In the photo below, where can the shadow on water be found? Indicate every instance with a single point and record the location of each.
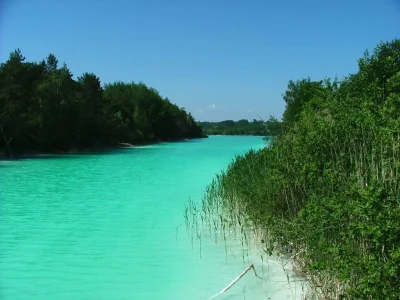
(134, 149)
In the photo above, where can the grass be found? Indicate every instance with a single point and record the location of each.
(324, 195)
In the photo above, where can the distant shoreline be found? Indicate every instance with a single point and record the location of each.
(235, 135)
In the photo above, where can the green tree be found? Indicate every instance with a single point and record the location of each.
(91, 111)
(326, 191)
(299, 93)
(44, 109)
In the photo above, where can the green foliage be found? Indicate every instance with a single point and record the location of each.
(42, 108)
(272, 127)
(297, 95)
(327, 190)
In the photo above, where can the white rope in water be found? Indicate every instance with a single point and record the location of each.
(235, 280)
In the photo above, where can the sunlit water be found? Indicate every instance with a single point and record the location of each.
(111, 226)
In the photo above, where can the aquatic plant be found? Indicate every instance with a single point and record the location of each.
(325, 194)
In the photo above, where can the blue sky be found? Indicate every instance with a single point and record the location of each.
(220, 59)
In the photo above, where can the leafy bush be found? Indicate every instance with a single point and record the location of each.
(326, 192)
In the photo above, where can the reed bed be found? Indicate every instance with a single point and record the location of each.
(324, 195)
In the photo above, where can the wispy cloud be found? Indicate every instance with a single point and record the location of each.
(249, 110)
(212, 106)
(200, 110)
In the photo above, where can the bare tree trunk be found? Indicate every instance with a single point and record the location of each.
(7, 143)
(235, 280)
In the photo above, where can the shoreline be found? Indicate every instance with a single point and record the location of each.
(99, 149)
(279, 275)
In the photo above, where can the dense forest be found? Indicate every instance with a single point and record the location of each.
(44, 109)
(272, 127)
(325, 193)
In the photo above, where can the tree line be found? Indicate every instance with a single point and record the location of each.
(271, 127)
(326, 192)
(44, 109)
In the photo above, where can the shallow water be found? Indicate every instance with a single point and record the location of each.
(111, 226)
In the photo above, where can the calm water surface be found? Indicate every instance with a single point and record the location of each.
(111, 226)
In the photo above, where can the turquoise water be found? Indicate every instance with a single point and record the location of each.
(111, 226)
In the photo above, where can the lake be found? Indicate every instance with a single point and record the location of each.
(111, 226)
